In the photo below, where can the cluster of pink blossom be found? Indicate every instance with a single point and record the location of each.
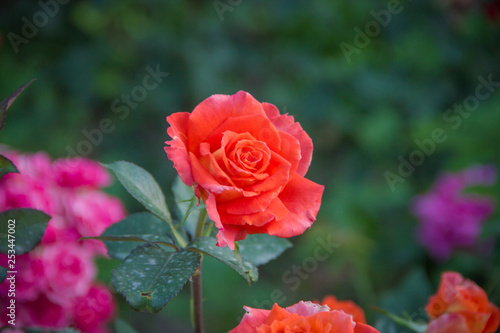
(451, 219)
(55, 283)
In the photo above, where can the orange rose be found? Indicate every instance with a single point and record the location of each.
(303, 317)
(247, 162)
(349, 307)
(461, 306)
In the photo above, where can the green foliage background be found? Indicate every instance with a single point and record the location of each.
(361, 115)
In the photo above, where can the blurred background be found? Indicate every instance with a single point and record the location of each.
(364, 79)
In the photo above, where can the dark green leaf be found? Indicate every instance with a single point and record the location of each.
(142, 225)
(186, 201)
(142, 186)
(6, 166)
(150, 276)
(123, 327)
(260, 249)
(128, 240)
(207, 246)
(3, 273)
(6, 103)
(29, 227)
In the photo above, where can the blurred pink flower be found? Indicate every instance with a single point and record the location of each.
(69, 272)
(76, 172)
(90, 213)
(449, 218)
(33, 280)
(20, 191)
(44, 313)
(94, 309)
(37, 166)
(55, 283)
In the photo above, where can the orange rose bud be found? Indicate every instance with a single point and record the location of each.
(349, 307)
(461, 306)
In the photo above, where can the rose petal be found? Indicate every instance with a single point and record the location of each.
(494, 320)
(302, 197)
(275, 211)
(363, 328)
(217, 109)
(349, 307)
(290, 150)
(287, 124)
(279, 171)
(228, 235)
(211, 185)
(438, 304)
(176, 148)
(250, 205)
(257, 125)
(307, 308)
(252, 319)
(469, 297)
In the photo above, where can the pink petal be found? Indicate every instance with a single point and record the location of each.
(307, 308)
(251, 320)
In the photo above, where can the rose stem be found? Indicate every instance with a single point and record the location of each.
(196, 291)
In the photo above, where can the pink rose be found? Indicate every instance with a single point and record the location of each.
(20, 191)
(90, 213)
(69, 272)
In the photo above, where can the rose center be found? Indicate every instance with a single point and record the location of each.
(251, 155)
(249, 158)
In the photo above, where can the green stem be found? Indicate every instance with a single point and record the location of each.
(180, 240)
(197, 298)
(200, 224)
(196, 290)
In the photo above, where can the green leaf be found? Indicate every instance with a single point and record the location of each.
(186, 202)
(142, 186)
(3, 273)
(122, 327)
(206, 245)
(150, 276)
(6, 166)
(260, 248)
(129, 239)
(406, 322)
(6, 103)
(29, 227)
(144, 226)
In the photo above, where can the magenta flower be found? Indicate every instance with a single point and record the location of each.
(449, 218)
